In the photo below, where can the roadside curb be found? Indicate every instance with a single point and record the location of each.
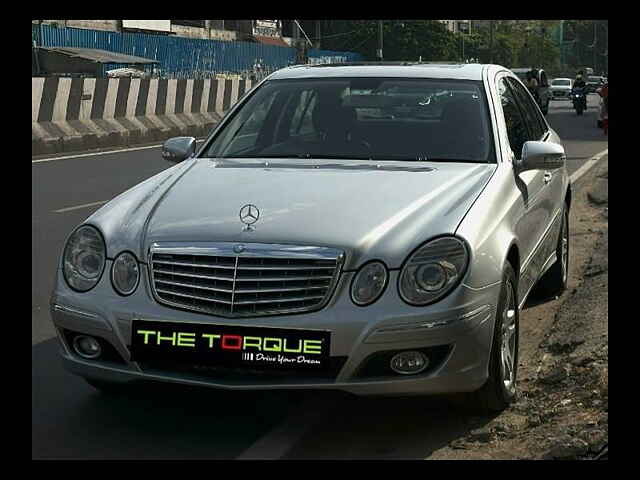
(599, 192)
(50, 138)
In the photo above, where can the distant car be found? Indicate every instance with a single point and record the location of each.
(543, 96)
(593, 83)
(310, 243)
(561, 88)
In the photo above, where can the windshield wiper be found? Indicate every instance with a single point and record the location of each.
(271, 155)
(454, 160)
(399, 158)
(300, 155)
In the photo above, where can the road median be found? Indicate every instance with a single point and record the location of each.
(83, 114)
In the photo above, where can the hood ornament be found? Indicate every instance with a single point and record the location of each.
(249, 214)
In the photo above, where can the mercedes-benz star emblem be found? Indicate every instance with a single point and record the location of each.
(249, 214)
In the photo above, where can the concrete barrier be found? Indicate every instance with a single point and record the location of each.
(73, 114)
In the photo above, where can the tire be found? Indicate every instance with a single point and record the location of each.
(599, 123)
(496, 395)
(554, 282)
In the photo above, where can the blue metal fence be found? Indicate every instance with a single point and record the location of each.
(182, 57)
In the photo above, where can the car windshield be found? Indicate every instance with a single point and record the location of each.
(561, 83)
(360, 118)
(595, 79)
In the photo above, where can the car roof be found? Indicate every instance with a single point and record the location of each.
(458, 71)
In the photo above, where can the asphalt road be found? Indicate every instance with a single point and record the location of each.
(71, 420)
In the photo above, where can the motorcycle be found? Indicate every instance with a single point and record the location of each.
(579, 98)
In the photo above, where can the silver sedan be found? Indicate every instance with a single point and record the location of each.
(369, 228)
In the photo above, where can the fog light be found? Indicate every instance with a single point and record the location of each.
(409, 363)
(87, 347)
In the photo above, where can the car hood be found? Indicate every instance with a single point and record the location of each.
(369, 209)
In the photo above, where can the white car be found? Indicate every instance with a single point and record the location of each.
(561, 88)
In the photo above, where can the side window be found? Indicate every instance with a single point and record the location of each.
(529, 110)
(516, 128)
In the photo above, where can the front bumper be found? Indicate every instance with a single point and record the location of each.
(461, 326)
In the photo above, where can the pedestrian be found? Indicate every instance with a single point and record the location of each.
(604, 93)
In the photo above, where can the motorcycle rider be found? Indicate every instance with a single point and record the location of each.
(580, 83)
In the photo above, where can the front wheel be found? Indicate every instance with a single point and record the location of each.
(499, 391)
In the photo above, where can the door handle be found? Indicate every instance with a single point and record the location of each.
(548, 176)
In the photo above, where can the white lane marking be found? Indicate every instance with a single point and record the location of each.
(68, 209)
(587, 166)
(94, 153)
(91, 154)
(279, 441)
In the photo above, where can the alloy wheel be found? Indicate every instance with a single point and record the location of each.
(508, 350)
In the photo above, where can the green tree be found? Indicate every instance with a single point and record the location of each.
(402, 39)
(585, 44)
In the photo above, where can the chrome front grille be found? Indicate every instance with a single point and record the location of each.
(252, 280)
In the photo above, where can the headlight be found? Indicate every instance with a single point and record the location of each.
(433, 271)
(125, 273)
(369, 283)
(84, 258)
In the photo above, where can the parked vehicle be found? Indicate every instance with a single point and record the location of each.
(579, 98)
(561, 88)
(593, 83)
(542, 94)
(314, 241)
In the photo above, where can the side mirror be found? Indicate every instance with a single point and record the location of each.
(178, 149)
(540, 156)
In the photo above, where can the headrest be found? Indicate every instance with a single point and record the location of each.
(333, 117)
(461, 111)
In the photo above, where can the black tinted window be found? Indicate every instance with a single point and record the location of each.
(516, 128)
(530, 110)
(360, 118)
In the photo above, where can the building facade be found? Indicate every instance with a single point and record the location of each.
(271, 32)
(457, 26)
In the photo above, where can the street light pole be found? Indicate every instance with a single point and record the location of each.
(595, 39)
(380, 56)
(491, 24)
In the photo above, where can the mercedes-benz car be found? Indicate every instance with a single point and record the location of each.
(374, 229)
